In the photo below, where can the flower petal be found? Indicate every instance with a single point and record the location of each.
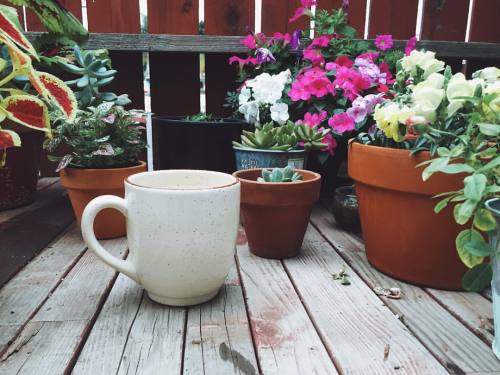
(28, 111)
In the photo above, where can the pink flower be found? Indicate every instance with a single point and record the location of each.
(384, 69)
(372, 56)
(249, 42)
(320, 41)
(243, 62)
(313, 119)
(341, 122)
(411, 44)
(314, 56)
(351, 82)
(342, 60)
(384, 42)
(305, 8)
(285, 38)
(312, 82)
(330, 142)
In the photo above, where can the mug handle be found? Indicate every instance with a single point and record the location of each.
(87, 225)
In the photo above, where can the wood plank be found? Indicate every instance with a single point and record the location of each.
(430, 322)
(173, 17)
(218, 339)
(472, 309)
(24, 236)
(343, 314)
(229, 17)
(231, 44)
(115, 16)
(445, 20)
(45, 182)
(22, 296)
(284, 336)
(395, 17)
(56, 333)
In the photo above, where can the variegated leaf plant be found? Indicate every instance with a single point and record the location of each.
(20, 106)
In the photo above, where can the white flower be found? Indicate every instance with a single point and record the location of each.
(425, 60)
(494, 89)
(279, 113)
(251, 111)
(458, 86)
(268, 89)
(245, 95)
(490, 74)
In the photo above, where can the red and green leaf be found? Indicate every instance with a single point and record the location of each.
(8, 138)
(28, 111)
(56, 91)
(9, 30)
(19, 59)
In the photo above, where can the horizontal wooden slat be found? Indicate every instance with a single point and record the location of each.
(231, 44)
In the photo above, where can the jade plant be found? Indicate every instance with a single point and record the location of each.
(286, 174)
(22, 106)
(282, 138)
(93, 69)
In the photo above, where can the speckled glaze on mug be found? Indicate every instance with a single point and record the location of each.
(181, 229)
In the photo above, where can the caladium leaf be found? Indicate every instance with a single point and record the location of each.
(8, 138)
(55, 90)
(9, 30)
(28, 111)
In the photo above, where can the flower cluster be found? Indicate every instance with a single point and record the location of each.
(261, 97)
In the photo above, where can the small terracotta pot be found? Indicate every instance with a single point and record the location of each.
(403, 236)
(83, 185)
(275, 215)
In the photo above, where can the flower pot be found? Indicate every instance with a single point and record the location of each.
(276, 215)
(83, 185)
(19, 176)
(403, 236)
(249, 158)
(345, 208)
(494, 238)
(203, 145)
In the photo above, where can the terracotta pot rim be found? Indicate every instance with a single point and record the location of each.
(316, 177)
(97, 170)
(387, 150)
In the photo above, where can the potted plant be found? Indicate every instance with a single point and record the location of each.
(493, 205)
(24, 116)
(275, 209)
(425, 117)
(333, 83)
(278, 146)
(104, 144)
(196, 142)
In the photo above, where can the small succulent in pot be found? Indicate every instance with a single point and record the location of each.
(286, 174)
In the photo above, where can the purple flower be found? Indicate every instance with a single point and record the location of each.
(264, 55)
(345, 5)
(384, 42)
(411, 44)
(357, 113)
(295, 42)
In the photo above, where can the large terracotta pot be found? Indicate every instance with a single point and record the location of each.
(19, 176)
(83, 185)
(275, 215)
(404, 238)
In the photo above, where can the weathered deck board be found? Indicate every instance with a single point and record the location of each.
(343, 314)
(430, 322)
(284, 336)
(23, 295)
(219, 332)
(56, 331)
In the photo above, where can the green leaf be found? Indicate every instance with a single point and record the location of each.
(492, 164)
(464, 211)
(474, 186)
(468, 236)
(457, 168)
(492, 130)
(443, 151)
(480, 249)
(441, 205)
(477, 278)
(484, 220)
(435, 166)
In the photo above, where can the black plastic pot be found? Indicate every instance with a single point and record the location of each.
(204, 145)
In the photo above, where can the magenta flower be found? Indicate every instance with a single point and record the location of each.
(295, 41)
(384, 42)
(351, 82)
(372, 56)
(411, 44)
(320, 41)
(305, 8)
(312, 82)
(243, 62)
(314, 56)
(249, 42)
(285, 38)
(330, 142)
(341, 122)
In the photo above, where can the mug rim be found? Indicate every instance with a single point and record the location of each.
(166, 171)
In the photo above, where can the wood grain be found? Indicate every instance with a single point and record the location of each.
(342, 314)
(51, 340)
(395, 17)
(113, 16)
(229, 17)
(173, 17)
(430, 322)
(445, 20)
(23, 295)
(284, 337)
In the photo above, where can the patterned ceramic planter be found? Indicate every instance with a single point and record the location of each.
(247, 158)
(494, 236)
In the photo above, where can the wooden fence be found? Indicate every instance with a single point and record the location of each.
(174, 46)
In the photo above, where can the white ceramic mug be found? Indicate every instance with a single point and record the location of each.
(181, 229)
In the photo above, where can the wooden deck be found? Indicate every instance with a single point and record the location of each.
(67, 312)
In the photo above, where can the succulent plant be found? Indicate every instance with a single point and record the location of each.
(286, 174)
(282, 138)
(92, 66)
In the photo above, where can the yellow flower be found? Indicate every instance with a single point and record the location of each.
(389, 118)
